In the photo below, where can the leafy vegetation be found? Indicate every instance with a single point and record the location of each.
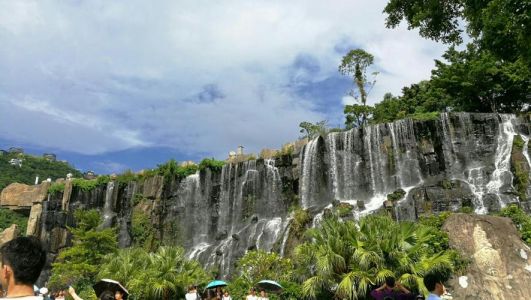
(32, 167)
(87, 185)
(345, 260)
(9, 217)
(163, 274)
(311, 131)
(212, 164)
(520, 219)
(258, 265)
(142, 231)
(56, 187)
(301, 218)
(79, 264)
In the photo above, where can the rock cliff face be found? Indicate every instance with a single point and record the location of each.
(21, 197)
(458, 160)
(500, 263)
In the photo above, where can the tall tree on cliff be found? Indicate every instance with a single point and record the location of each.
(355, 64)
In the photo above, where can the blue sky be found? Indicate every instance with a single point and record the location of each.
(122, 85)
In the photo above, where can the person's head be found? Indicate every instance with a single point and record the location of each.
(262, 293)
(226, 293)
(21, 263)
(252, 291)
(118, 295)
(390, 282)
(107, 295)
(434, 284)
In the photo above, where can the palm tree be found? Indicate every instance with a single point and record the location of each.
(346, 259)
(160, 275)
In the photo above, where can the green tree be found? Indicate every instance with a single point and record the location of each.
(477, 81)
(521, 220)
(32, 166)
(258, 265)
(9, 217)
(78, 265)
(311, 130)
(345, 260)
(356, 115)
(164, 274)
(355, 64)
(500, 26)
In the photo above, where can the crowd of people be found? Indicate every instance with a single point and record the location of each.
(220, 293)
(22, 260)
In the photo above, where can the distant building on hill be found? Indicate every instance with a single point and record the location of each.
(89, 175)
(49, 156)
(16, 162)
(16, 150)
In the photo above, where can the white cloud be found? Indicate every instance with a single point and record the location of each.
(124, 74)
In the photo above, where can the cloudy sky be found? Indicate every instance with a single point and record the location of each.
(111, 85)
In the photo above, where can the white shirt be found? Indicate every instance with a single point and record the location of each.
(191, 296)
(262, 298)
(251, 297)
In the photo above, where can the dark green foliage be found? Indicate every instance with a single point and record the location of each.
(500, 26)
(56, 188)
(126, 177)
(518, 143)
(172, 170)
(160, 275)
(9, 217)
(301, 218)
(476, 81)
(396, 195)
(32, 166)
(142, 231)
(78, 265)
(520, 219)
(356, 115)
(347, 260)
(344, 210)
(212, 164)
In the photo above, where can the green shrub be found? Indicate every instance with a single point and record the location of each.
(427, 116)
(126, 177)
(518, 142)
(396, 195)
(301, 218)
(212, 164)
(9, 217)
(56, 188)
(344, 210)
(521, 220)
(86, 185)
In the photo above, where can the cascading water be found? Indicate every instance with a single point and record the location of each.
(309, 171)
(502, 175)
(108, 207)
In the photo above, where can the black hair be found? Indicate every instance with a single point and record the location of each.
(430, 281)
(107, 295)
(26, 257)
(390, 281)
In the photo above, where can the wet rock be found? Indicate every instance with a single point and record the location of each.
(500, 263)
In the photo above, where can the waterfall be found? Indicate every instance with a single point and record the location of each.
(308, 171)
(285, 236)
(108, 206)
(502, 173)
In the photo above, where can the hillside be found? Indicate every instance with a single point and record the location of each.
(31, 167)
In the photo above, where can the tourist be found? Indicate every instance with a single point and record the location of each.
(22, 260)
(106, 295)
(391, 289)
(192, 293)
(226, 295)
(435, 286)
(263, 295)
(252, 295)
(218, 293)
